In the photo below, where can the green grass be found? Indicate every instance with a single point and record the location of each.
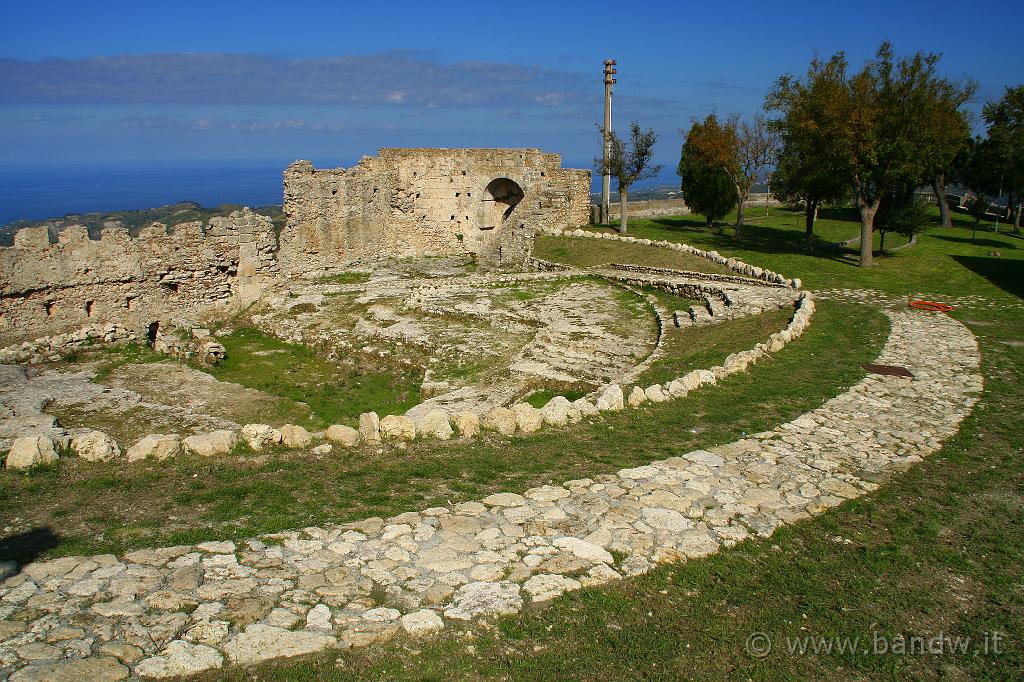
(591, 252)
(190, 499)
(336, 393)
(945, 261)
(111, 358)
(705, 346)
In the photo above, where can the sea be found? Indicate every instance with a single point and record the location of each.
(37, 193)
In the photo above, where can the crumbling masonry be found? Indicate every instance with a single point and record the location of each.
(404, 203)
(425, 202)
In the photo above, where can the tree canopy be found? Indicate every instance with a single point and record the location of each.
(706, 186)
(887, 125)
(811, 167)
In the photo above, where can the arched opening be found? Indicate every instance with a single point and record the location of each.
(502, 195)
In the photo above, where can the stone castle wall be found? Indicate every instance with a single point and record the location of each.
(405, 202)
(423, 202)
(159, 275)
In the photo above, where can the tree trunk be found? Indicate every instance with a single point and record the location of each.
(939, 187)
(623, 217)
(738, 234)
(867, 225)
(1016, 219)
(810, 214)
(881, 241)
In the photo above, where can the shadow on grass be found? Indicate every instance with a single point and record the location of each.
(1005, 274)
(760, 238)
(980, 241)
(26, 547)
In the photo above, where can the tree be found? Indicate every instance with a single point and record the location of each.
(980, 173)
(629, 163)
(740, 148)
(946, 132)
(1005, 120)
(901, 211)
(879, 131)
(810, 167)
(707, 188)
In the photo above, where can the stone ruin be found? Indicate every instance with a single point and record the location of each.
(429, 202)
(417, 260)
(483, 203)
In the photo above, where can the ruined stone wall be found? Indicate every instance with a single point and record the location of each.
(51, 288)
(423, 202)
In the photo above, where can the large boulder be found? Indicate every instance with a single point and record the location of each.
(156, 445)
(295, 436)
(500, 419)
(558, 411)
(369, 427)
(467, 423)
(637, 397)
(95, 446)
(397, 427)
(528, 417)
(343, 435)
(29, 451)
(656, 394)
(611, 399)
(434, 424)
(259, 436)
(585, 407)
(219, 442)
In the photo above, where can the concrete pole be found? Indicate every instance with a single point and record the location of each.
(606, 178)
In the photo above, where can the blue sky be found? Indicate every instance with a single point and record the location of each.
(167, 82)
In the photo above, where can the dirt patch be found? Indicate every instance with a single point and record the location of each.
(170, 383)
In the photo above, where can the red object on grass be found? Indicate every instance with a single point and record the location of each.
(933, 306)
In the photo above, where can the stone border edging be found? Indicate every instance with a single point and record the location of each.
(732, 263)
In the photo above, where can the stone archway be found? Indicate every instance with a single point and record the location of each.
(502, 195)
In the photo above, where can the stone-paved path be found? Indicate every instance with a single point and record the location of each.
(178, 610)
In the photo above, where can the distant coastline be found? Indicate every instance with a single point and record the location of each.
(40, 193)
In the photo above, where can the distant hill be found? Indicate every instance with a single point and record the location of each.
(171, 214)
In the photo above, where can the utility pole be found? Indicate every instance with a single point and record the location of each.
(606, 178)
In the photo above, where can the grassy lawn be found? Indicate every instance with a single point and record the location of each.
(588, 253)
(92, 508)
(945, 260)
(689, 348)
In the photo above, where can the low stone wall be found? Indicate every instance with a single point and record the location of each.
(51, 348)
(430, 424)
(650, 208)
